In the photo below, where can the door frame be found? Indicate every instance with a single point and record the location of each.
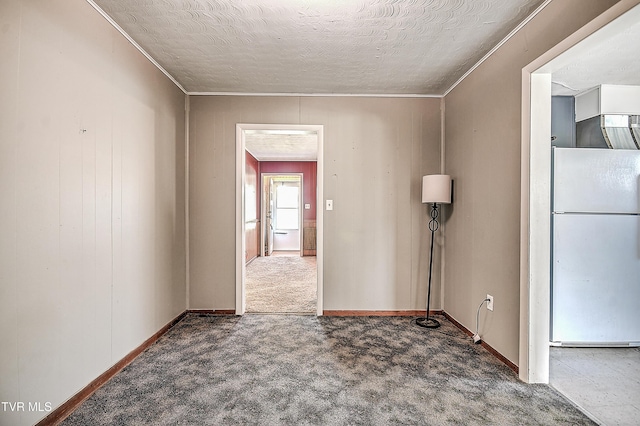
(535, 210)
(263, 207)
(240, 217)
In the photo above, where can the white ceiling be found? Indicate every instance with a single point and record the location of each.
(282, 145)
(383, 47)
(390, 47)
(612, 59)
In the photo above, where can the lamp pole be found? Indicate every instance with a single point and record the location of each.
(433, 227)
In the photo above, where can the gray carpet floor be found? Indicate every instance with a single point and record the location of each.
(281, 284)
(307, 370)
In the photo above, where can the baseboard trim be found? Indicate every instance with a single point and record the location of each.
(493, 352)
(407, 313)
(212, 311)
(68, 407)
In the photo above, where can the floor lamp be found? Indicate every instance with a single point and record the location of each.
(435, 189)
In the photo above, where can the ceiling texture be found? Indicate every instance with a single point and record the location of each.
(344, 47)
(614, 60)
(291, 145)
(381, 47)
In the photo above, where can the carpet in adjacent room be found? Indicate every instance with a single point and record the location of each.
(281, 284)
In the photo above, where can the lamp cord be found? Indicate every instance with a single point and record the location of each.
(478, 316)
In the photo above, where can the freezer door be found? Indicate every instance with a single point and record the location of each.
(596, 279)
(596, 180)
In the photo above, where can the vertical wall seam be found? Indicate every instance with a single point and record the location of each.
(95, 208)
(111, 230)
(81, 137)
(15, 198)
(187, 261)
(444, 228)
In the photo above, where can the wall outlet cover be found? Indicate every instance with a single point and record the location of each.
(490, 302)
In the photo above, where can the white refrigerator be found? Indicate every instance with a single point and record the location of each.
(595, 272)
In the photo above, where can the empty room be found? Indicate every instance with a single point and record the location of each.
(317, 212)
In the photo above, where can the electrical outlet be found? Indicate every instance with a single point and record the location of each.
(490, 302)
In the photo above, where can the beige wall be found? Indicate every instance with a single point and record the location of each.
(92, 256)
(482, 149)
(375, 153)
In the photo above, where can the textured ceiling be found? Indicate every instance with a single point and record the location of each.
(614, 60)
(282, 146)
(318, 46)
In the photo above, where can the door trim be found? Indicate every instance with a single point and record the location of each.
(535, 234)
(240, 225)
(263, 211)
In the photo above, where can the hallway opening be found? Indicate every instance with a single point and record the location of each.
(278, 219)
(282, 277)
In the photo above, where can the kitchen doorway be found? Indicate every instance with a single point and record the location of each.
(585, 375)
(537, 84)
(296, 144)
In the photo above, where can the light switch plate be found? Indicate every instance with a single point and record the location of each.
(329, 204)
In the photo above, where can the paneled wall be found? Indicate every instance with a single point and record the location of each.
(92, 254)
(482, 144)
(375, 152)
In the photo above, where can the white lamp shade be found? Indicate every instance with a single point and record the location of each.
(436, 189)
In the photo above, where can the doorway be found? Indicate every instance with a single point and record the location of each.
(588, 375)
(536, 178)
(295, 145)
(282, 279)
(282, 209)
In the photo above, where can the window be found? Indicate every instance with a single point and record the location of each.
(287, 201)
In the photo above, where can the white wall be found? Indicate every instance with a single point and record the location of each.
(376, 151)
(92, 256)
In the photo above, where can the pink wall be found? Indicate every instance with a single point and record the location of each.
(308, 170)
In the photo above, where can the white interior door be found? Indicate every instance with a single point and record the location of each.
(286, 215)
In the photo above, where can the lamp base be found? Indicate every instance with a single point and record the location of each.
(427, 323)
